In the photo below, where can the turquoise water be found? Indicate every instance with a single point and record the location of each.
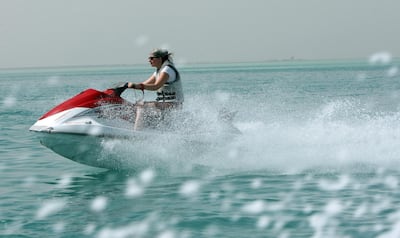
(318, 156)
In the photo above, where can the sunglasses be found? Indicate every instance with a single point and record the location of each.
(151, 57)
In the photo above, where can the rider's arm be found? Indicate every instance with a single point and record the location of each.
(150, 80)
(151, 83)
(156, 83)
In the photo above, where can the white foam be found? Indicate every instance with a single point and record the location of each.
(263, 222)
(256, 183)
(99, 204)
(394, 232)
(382, 57)
(147, 176)
(393, 71)
(340, 133)
(9, 101)
(340, 184)
(50, 207)
(190, 188)
(333, 208)
(65, 180)
(133, 188)
(254, 207)
(89, 229)
(167, 234)
(59, 227)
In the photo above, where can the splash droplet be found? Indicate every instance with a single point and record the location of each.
(190, 188)
(99, 204)
(380, 58)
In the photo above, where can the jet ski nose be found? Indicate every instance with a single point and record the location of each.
(39, 128)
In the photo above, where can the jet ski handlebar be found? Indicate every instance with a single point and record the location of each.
(120, 88)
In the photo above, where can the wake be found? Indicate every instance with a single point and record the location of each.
(337, 135)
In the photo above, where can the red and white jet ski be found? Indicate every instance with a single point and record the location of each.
(76, 128)
(82, 127)
(91, 112)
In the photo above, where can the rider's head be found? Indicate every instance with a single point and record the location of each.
(161, 53)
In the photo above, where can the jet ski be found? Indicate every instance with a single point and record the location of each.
(84, 126)
(90, 112)
(77, 127)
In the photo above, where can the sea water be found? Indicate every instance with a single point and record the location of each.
(318, 155)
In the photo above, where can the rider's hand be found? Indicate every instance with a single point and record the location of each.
(131, 85)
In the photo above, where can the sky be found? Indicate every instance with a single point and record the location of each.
(44, 33)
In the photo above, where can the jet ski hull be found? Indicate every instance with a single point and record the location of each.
(83, 149)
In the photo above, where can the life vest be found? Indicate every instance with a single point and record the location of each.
(171, 91)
